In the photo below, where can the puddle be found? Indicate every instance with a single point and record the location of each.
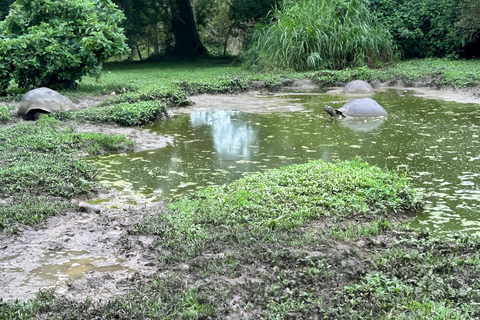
(81, 254)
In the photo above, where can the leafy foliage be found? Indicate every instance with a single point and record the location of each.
(469, 23)
(55, 43)
(4, 7)
(306, 35)
(426, 28)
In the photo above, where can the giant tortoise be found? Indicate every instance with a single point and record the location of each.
(43, 100)
(358, 87)
(363, 108)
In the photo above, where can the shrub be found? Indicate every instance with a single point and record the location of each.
(427, 28)
(333, 34)
(55, 43)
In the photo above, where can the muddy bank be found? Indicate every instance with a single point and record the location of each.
(143, 139)
(87, 252)
(464, 95)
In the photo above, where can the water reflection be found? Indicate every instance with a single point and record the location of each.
(231, 137)
(364, 125)
(436, 142)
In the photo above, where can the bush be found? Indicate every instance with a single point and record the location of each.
(55, 43)
(126, 114)
(428, 28)
(330, 34)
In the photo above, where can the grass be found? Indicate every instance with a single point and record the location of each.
(285, 199)
(314, 240)
(343, 263)
(42, 159)
(5, 115)
(434, 72)
(310, 35)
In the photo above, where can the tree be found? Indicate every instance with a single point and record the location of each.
(424, 28)
(145, 24)
(55, 43)
(187, 40)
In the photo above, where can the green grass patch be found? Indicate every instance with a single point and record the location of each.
(5, 115)
(40, 159)
(29, 211)
(438, 72)
(127, 114)
(285, 199)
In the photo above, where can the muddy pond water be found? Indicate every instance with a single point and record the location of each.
(222, 138)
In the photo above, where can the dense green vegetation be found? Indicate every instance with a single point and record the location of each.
(41, 160)
(234, 257)
(431, 28)
(314, 240)
(55, 43)
(311, 35)
(284, 199)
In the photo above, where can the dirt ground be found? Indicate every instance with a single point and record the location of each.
(83, 253)
(89, 252)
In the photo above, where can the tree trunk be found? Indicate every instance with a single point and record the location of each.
(139, 53)
(187, 40)
(225, 43)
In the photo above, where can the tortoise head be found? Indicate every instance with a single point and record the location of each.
(333, 113)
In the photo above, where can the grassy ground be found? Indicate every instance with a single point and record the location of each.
(140, 92)
(40, 165)
(267, 248)
(312, 241)
(432, 72)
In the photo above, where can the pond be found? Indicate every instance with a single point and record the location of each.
(436, 142)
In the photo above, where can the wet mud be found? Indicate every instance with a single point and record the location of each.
(87, 252)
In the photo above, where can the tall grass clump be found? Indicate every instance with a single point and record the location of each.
(329, 34)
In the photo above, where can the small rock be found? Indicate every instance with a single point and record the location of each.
(284, 82)
(85, 207)
(257, 85)
(376, 84)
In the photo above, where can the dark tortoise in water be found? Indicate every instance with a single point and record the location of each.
(362, 108)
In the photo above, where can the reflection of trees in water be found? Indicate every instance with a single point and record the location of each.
(231, 138)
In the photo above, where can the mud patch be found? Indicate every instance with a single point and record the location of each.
(87, 252)
(143, 139)
(464, 95)
(251, 102)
